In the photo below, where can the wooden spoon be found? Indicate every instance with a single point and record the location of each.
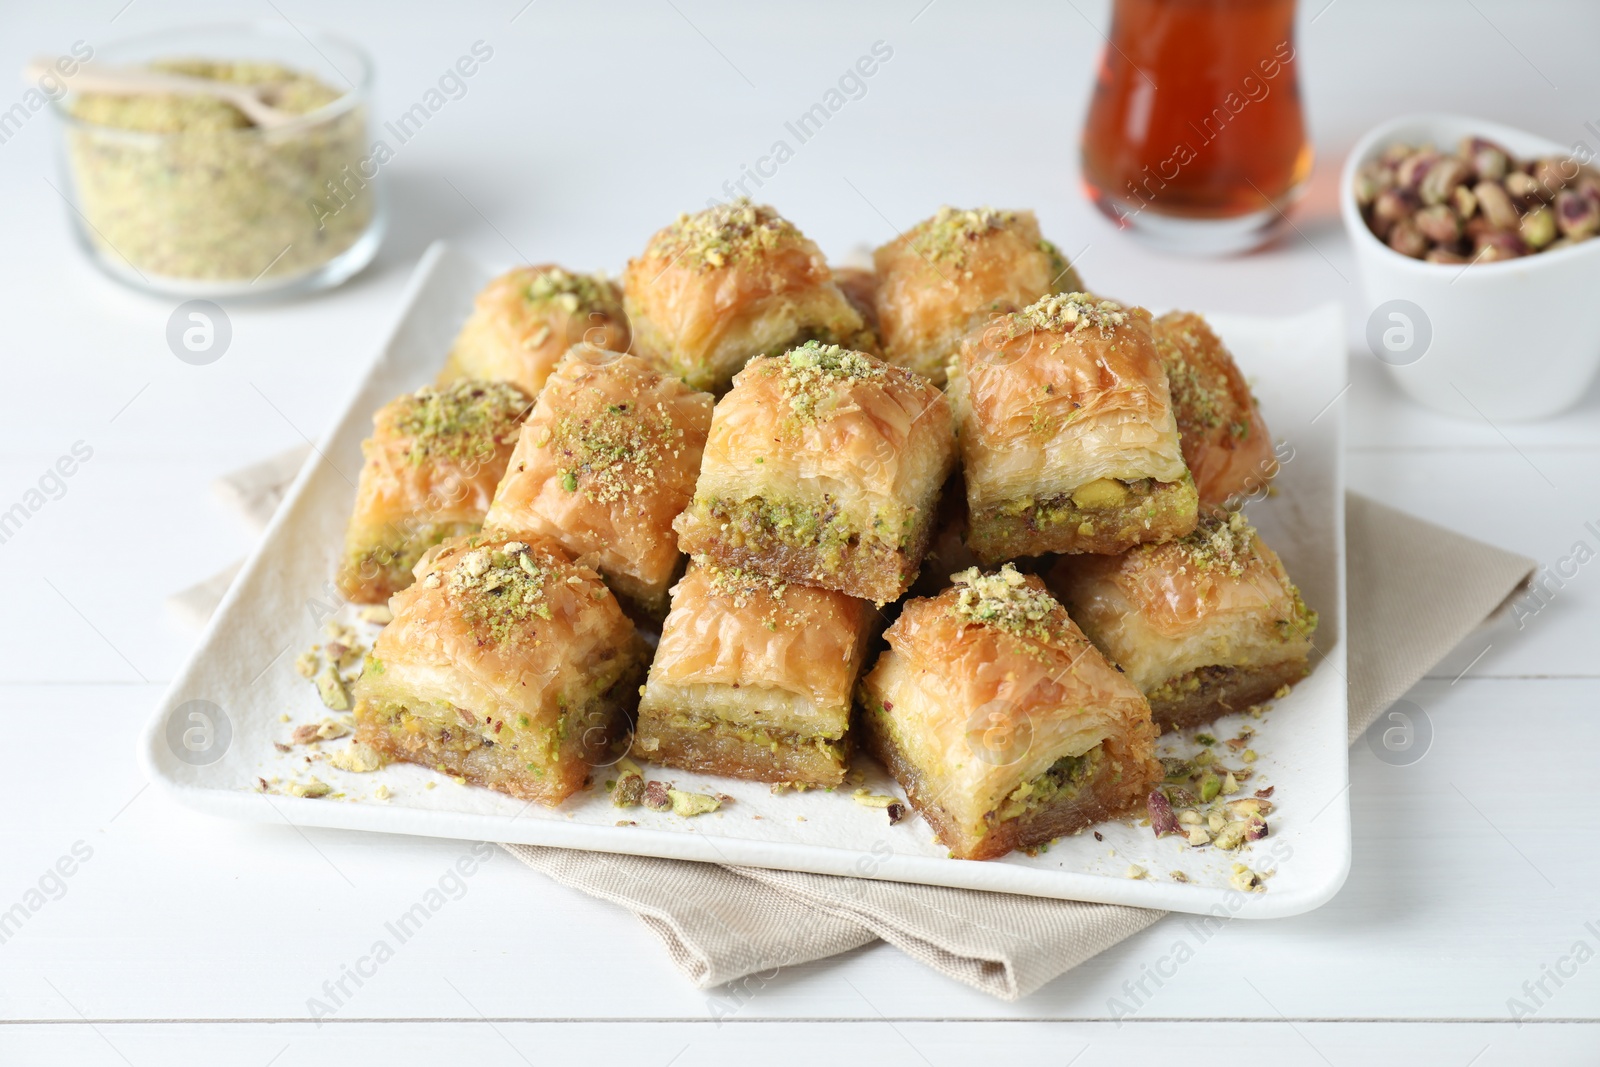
(253, 100)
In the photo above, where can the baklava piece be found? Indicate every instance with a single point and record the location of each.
(1225, 442)
(734, 281)
(526, 319)
(823, 467)
(1203, 626)
(1067, 435)
(506, 664)
(1003, 724)
(935, 279)
(604, 464)
(429, 471)
(753, 679)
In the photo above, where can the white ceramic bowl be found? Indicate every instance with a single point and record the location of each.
(1516, 339)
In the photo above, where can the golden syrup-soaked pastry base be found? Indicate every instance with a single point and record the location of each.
(1205, 694)
(753, 753)
(528, 765)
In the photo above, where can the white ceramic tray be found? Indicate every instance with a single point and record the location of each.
(241, 683)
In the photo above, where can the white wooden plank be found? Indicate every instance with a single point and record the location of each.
(1541, 501)
(177, 915)
(889, 1043)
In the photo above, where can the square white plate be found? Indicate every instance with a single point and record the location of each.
(212, 737)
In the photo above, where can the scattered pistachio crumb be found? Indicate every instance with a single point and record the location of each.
(358, 758)
(689, 805)
(331, 688)
(1135, 871)
(630, 787)
(310, 790)
(1245, 880)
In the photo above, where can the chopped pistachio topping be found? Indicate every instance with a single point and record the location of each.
(1071, 312)
(614, 451)
(500, 588)
(312, 790)
(1201, 397)
(949, 236)
(813, 372)
(720, 235)
(358, 758)
(464, 421)
(1006, 600)
(1220, 543)
(573, 292)
(740, 585)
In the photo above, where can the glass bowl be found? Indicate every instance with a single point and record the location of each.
(230, 212)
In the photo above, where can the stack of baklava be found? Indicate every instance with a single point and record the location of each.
(745, 450)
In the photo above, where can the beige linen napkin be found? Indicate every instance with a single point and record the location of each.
(1414, 591)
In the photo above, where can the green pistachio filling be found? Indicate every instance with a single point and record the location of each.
(831, 746)
(763, 522)
(1065, 777)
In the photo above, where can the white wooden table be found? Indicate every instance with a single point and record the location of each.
(181, 939)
